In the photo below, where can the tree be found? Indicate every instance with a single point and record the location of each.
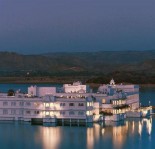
(11, 92)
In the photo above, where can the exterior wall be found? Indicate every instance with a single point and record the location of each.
(107, 106)
(133, 114)
(133, 101)
(96, 108)
(20, 108)
(64, 108)
(109, 89)
(68, 88)
(32, 90)
(128, 88)
(41, 91)
(74, 103)
(15, 108)
(115, 117)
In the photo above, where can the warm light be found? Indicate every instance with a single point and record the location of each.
(133, 126)
(51, 104)
(87, 104)
(45, 134)
(149, 125)
(88, 112)
(36, 104)
(103, 131)
(145, 112)
(51, 113)
(90, 136)
(47, 104)
(119, 135)
(140, 128)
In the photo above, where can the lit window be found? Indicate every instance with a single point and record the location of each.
(36, 104)
(88, 104)
(103, 101)
(88, 113)
(47, 113)
(47, 105)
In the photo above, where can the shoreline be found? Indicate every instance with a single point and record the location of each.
(52, 80)
(58, 82)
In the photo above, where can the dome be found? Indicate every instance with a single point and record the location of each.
(112, 82)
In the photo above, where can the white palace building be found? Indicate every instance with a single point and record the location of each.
(73, 103)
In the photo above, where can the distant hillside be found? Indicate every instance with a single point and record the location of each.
(117, 57)
(93, 64)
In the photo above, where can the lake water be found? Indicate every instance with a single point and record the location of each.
(129, 134)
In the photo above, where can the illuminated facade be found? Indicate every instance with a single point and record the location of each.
(73, 103)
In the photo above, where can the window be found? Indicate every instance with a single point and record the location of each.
(13, 112)
(71, 104)
(103, 101)
(36, 112)
(47, 105)
(36, 104)
(62, 112)
(47, 113)
(21, 103)
(81, 113)
(5, 103)
(62, 104)
(13, 103)
(28, 103)
(28, 112)
(21, 112)
(71, 113)
(5, 111)
(81, 104)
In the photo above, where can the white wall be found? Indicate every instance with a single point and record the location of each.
(41, 91)
(68, 88)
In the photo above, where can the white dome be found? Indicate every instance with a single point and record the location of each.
(112, 82)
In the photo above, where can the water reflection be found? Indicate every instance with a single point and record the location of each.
(49, 137)
(119, 135)
(114, 135)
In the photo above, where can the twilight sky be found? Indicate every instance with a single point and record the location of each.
(40, 26)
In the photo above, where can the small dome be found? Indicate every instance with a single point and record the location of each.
(112, 82)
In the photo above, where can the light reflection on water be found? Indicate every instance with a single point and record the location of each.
(132, 133)
(113, 135)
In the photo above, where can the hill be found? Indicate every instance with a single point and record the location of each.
(91, 64)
